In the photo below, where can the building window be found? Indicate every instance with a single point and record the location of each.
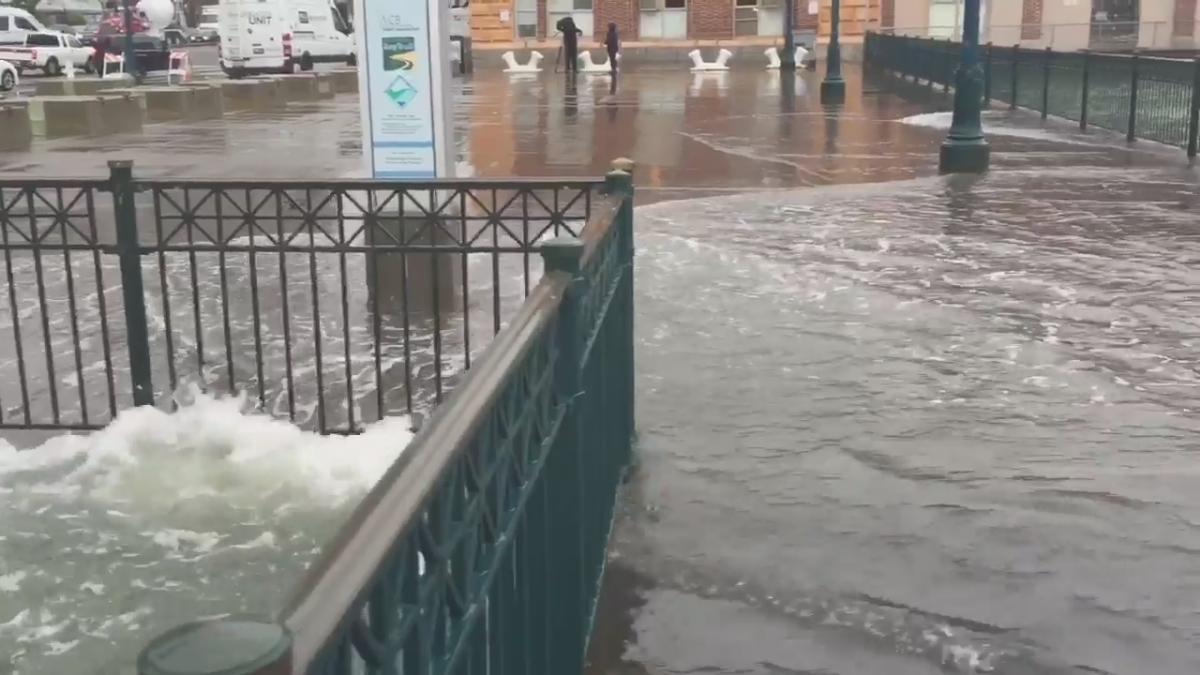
(662, 19)
(526, 11)
(1115, 23)
(579, 10)
(758, 17)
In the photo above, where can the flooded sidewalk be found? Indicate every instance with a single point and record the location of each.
(891, 423)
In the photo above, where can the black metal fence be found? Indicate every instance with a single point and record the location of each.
(328, 303)
(1142, 97)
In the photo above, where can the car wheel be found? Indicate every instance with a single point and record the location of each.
(8, 81)
(352, 60)
(306, 62)
(53, 69)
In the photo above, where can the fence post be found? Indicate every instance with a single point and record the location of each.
(950, 64)
(1046, 83)
(1194, 117)
(620, 181)
(568, 495)
(1134, 76)
(1087, 78)
(987, 76)
(1016, 61)
(137, 332)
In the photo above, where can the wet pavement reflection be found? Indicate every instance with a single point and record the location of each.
(891, 422)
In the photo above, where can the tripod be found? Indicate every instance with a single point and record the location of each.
(557, 57)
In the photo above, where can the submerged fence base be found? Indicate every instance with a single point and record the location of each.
(482, 549)
(1156, 99)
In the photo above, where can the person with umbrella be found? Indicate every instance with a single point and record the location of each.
(570, 45)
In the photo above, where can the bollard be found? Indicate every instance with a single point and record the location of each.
(129, 253)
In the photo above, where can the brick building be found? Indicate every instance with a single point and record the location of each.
(651, 20)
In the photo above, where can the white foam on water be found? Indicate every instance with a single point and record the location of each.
(942, 120)
(210, 446)
(162, 517)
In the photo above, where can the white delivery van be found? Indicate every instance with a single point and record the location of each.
(16, 23)
(280, 36)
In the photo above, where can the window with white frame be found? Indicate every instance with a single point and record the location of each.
(662, 19)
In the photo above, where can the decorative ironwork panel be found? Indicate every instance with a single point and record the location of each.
(482, 549)
(58, 367)
(449, 593)
(1138, 96)
(330, 304)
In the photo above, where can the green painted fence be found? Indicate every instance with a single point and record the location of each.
(1142, 97)
(482, 549)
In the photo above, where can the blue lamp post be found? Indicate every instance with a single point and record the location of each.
(833, 87)
(130, 58)
(965, 149)
(787, 60)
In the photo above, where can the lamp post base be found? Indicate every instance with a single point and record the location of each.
(833, 92)
(964, 156)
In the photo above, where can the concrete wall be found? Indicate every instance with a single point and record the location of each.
(912, 17)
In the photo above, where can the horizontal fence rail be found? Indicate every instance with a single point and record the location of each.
(331, 304)
(481, 550)
(1155, 99)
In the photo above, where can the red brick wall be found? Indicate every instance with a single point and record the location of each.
(1031, 20)
(1185, 18)
(802, 20)
(542, 28)
(710, 19)
(624, 13)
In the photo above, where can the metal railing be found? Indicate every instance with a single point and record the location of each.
(331, 304)
(1142, 97)
(1097, 36)
(482, 548)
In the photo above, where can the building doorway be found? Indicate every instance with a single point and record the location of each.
(758, 17)
(662, 19)
(946, 19)
(579, 10)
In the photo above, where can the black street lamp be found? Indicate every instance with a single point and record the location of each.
(965, 149)
(787, 60)
(833, 87)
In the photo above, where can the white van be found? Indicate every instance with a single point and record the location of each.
(279, 36)
(16, 23)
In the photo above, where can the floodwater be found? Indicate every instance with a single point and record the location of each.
(890, 423)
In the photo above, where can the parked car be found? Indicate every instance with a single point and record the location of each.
(205, 35)
(49, 53)
(9, 78)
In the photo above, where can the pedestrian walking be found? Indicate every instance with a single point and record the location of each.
(612, 43)
(570, 37)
